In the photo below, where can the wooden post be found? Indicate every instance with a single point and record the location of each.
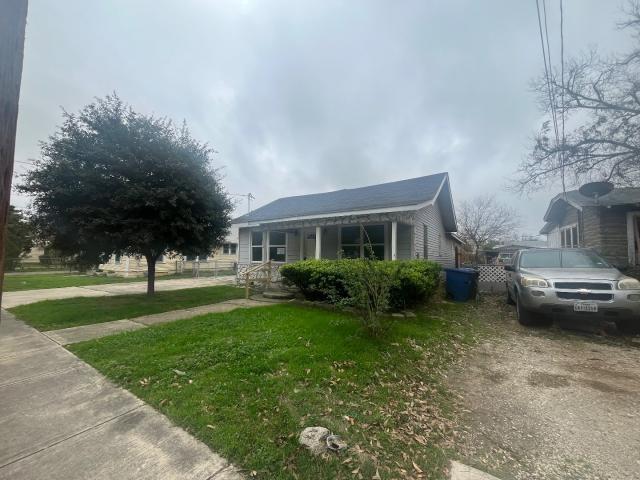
(268, 275)
(13, 20)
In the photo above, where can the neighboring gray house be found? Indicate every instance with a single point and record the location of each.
(506, 250)
(609, 225)
(407, 219)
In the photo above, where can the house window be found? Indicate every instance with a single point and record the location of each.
(118, 259)
(360, 242)
(278, 246)
(569, 236)
(373, 241)
(256, 246)
(229, 248)
(425, 242)
(351, 240)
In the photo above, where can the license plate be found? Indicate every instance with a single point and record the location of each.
(585, 307)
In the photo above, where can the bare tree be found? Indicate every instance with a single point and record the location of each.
(600, 101)
(13, 18)
(483, 220)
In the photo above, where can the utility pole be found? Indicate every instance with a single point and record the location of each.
(13, 21)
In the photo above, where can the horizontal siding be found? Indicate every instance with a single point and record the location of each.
(441, 248)
(404, 241)
(244, 245)
(553, 238)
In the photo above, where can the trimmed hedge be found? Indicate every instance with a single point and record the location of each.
(412, 281)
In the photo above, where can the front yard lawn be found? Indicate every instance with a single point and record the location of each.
(71, 312)
(248, 381)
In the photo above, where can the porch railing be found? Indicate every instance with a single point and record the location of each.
(262, 274)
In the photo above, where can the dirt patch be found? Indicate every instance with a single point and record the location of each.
(544, 379)
(547, 403)
(604, 387)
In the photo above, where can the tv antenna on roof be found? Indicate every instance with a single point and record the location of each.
(249, 198)
(595, 190)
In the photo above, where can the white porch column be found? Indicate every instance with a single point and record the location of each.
(301, 239)
(394, 240)
(265, 256)
(318, 242)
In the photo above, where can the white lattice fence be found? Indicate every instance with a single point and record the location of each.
(491, 273)
(243, 267)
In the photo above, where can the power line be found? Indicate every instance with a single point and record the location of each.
(562, 111)
(546, 58)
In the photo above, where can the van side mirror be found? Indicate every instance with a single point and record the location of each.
(509, 268)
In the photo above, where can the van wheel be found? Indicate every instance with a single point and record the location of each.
(509, 299)
(529, 318)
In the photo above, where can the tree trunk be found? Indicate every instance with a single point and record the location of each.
(151, 273)
(13, 20)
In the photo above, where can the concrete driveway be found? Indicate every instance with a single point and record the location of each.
(13, 299)
(61, 419)
(549, 403)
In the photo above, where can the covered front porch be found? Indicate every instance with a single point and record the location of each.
(386, 237)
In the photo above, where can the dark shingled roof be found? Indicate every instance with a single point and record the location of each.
(617, 196)
(386, 195)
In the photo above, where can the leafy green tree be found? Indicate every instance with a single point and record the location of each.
(19, 238)
(114, 181)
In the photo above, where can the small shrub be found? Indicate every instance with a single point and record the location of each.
(411, 282)
(368, 287)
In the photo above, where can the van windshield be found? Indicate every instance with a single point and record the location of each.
(561, 259)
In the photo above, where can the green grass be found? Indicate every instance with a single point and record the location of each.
(15, 283)
(71, 312)
(250, 380)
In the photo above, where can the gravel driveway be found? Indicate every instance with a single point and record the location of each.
(549, 404)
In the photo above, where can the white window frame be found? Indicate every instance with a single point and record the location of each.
(286, 245)
(573, 242)
(252, 246)
(361, 243)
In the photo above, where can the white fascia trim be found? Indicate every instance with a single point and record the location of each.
(453, 208)
(403, 208)
(553, 201)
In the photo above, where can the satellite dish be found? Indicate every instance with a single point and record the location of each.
(595, 189)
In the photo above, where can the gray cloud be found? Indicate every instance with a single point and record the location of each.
(300, 97)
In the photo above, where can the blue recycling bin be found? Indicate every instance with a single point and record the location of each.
(462, 283)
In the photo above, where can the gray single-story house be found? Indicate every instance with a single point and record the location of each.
(505, 251)
(407, 219)
(608, 225)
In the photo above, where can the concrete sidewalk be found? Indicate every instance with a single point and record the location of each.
(13, 299)
(67, 336)
(61, 419)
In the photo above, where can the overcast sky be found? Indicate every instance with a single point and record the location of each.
(309, 96)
